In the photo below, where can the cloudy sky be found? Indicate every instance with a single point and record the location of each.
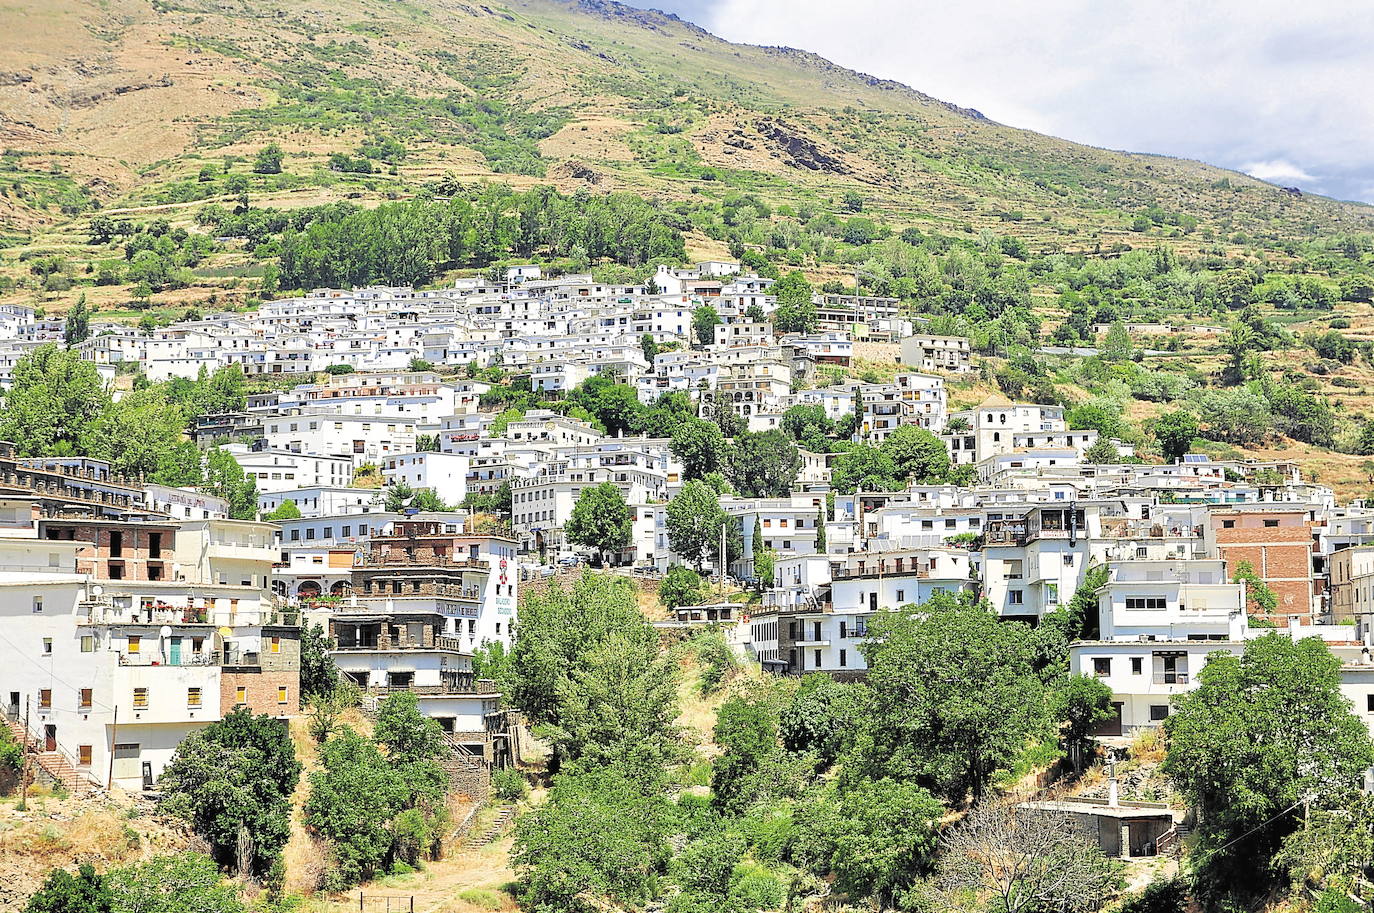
(1281, 90)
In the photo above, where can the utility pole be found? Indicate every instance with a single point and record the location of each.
(721, 591)
(24, 771)
(114, 732)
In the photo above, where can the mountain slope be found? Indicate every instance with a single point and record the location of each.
(125, 101)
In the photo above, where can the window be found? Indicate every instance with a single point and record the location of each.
(901, 596)
(1159, 712)
(135, 644)
(818, 658)
(45, 699)
(1102, 666)
(276, 645)
(192, 697)
(1137, 665)
(281, 694)
(1155, 603)
(843, 658)
(47, 646)
(83, 755)
(86, 698)
(38, 605)
(1369, 703)
(140, 698)
(240, 695)
(1228, 524)
(1016, 597)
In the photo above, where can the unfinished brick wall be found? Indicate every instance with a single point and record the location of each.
(260, 690)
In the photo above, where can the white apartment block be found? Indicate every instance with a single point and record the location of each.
(445, 474)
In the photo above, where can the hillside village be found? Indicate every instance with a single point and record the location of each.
(542, 457)
(388, 511)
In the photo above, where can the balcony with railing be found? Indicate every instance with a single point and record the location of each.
(398, 558)
(411, 589)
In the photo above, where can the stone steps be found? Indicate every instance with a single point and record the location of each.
(498, 826)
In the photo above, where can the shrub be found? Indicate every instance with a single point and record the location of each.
(509, 784)
(1161, 896)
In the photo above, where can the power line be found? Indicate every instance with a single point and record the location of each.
(1234, 840)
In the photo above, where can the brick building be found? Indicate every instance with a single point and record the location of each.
(265, 680)
(115, 549)
(1278, 543)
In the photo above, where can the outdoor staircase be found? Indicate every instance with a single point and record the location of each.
(52, 763)
(1171, 841)
(498, 826)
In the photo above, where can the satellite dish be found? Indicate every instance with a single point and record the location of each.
(164, 631)
(97, 590)
(226, 631)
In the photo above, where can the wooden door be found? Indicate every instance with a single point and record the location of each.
(49, 737)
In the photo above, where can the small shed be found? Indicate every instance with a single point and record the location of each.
(1122, 829)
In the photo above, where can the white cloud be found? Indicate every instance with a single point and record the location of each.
(1277, 171)
(1259, 85)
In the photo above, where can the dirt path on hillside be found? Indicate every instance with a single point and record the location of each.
(467, 881)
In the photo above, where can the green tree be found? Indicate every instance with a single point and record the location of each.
(864, 468)
(224, 478)
(763, 464)
(693, 520)
(1260, 600)
(765, 561)
(648, 347)
(406, 734)
(54, 399)
(699, 446)
(819, 717)
(502, 421)
(586, 668)
(1116, 345)
(1102, 452)
(358, 797)
(77, 326)
(805, 421)
(820, 529)
(600, 520)
(183, 883)
(401, 497)
(747, 732)
(286, 510)
(681, 586)
(1079, 704)
(268, 160)
(917, 455)
(796, 313)
(955, 681)
(615, 405)
(63, 892)
(233, 782)
(1357, 287)
(599, 838)
(1175, 432)
(887, 839)
(704, 320)
(141, 436)
(319, 675)
(1263, 735)
(1103, 419)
